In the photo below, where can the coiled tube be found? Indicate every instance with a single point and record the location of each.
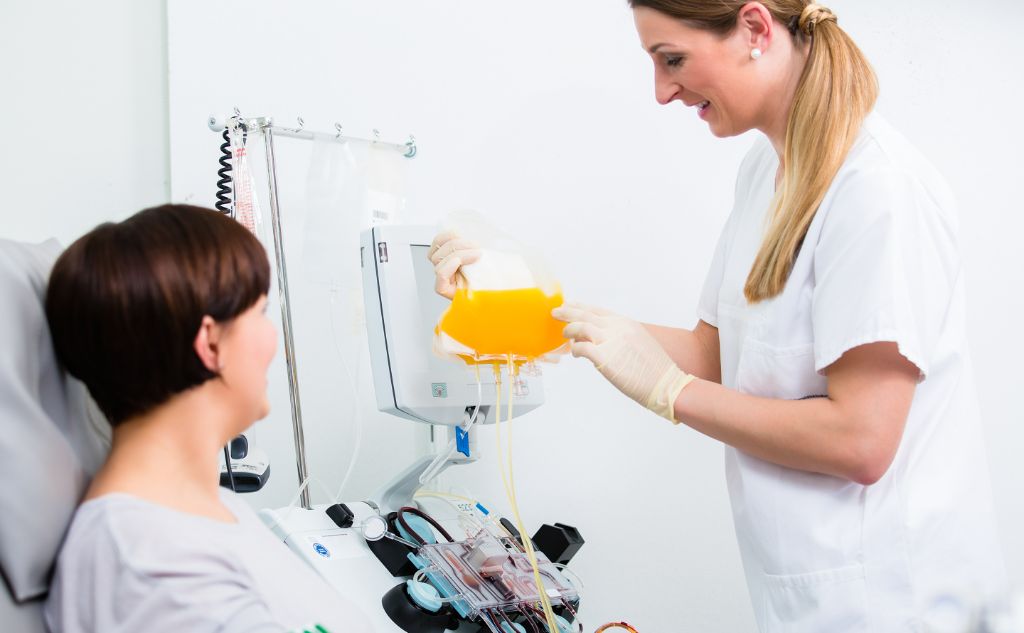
(224, 204)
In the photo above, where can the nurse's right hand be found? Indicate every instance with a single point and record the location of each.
(449, 253)
(625, 353)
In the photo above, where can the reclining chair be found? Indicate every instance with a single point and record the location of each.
(52, 438)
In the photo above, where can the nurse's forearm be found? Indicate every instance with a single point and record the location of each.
(852, 433)
(693, 353)
(816, 435)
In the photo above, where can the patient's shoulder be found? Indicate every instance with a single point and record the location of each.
(107, 519)
(126, 560)
(145, 536)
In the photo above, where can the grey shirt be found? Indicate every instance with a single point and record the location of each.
(131, 565)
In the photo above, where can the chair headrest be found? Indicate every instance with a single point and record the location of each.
(52, 436)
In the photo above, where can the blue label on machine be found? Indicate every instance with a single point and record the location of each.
(462, 441)
(323, 551)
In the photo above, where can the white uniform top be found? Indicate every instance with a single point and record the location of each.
(130, 565)
(880, 262)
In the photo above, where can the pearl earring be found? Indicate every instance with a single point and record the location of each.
(755, 54)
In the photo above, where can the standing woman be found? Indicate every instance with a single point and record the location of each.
(830, 355)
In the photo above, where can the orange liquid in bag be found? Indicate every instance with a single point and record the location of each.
(497, 323)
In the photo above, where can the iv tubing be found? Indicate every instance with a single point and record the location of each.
(356, 409)
(529, 620)
(579, 625)
(487, 618)
(400, 517)
(477, 523)
(506, 619)
(463, 517)
(509, 481)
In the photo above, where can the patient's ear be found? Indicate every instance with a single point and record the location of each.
(206, 344)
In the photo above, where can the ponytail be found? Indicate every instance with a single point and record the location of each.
(836, 92)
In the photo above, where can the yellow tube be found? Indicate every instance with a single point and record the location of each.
(509, 482)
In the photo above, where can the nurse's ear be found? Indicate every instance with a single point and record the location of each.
(755, 23)
(206, 344)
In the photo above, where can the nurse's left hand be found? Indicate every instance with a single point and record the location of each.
(449, 253)
(626, 354)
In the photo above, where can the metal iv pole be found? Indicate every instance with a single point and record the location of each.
(269, 130)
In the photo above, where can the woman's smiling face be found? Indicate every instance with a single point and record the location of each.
(711, 72)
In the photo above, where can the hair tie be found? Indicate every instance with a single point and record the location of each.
(812, 15)
(793, 25)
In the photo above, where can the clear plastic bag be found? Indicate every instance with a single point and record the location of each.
(501, 311)
(246, 206)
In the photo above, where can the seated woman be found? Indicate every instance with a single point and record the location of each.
(162, 316)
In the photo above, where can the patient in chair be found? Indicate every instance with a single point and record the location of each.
(162, 316)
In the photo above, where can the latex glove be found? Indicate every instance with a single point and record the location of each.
(626, 354)
(449, 253)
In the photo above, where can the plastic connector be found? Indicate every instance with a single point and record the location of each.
(392, 554)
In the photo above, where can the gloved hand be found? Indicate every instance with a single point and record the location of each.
(626, 354)
(449, 253)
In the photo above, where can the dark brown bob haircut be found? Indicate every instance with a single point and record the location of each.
(126, 300)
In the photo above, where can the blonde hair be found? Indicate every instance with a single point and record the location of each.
(836, 91)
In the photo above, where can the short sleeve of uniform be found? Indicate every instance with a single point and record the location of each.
(885, 264)
(707, 308)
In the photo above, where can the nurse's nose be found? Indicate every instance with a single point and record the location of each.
(665, 91)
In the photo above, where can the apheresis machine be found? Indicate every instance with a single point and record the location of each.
(430, 564)
(419, 561)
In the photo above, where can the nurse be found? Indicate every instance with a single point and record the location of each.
(830, 354)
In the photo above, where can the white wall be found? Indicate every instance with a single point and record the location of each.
(83, 116)
(543, 117)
